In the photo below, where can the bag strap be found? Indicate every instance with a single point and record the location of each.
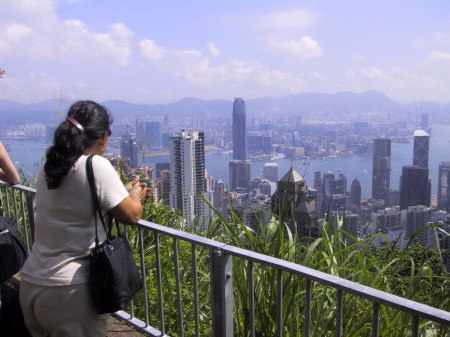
(97, 210)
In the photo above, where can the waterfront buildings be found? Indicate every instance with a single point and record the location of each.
(421, 148)
(415, 187)
(355, 193)
(443, 196)
(239, 130)
(239, 175)
(270, 171)
(381, 169)
(294, 205)
(128, 150)
(334, 191)
(187, 178)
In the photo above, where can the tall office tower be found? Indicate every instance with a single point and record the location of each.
(355, 193)
(334, 191)
(153, 134)
(318, 181)
(220, 196)
(140, 133)
(443, 197)
(421, 148)
(239, 171)
(239, 130)
(187, 178)
(128, 149)
(414, 187)
(381, 169)
(270, 171)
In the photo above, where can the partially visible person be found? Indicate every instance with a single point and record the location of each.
(2, 72)
(8, 172)
(54, 292)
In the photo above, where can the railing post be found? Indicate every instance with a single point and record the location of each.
(222, 294)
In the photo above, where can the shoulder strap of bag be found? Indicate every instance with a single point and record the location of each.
(97, 210)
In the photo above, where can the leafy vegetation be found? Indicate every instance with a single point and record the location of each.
(416, 273)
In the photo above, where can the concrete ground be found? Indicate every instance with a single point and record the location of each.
(117, 328)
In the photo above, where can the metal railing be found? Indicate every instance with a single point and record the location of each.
(17, 202)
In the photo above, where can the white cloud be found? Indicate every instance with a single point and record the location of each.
(213, 49)
(31, 30)
(317, 75)
(284, 20)
(438, 57)
(197, 70)
(376, 74)
(442, 39)
(305, 47)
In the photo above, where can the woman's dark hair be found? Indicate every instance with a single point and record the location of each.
(70, 142)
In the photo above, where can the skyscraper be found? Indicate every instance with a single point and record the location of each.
(270, 171)
(355, 193)
(381, 169)
(187, 177)
(239, 175)
(153, 134)
(414, 187)
(421, 148)
(128, 149)
(443, 197)
(334, 191)
(239, 130)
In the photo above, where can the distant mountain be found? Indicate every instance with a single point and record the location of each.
(370, 105)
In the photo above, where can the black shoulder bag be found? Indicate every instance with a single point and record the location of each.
(12, 250)
(114, 277)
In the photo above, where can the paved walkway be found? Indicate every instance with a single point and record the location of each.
(117, 328)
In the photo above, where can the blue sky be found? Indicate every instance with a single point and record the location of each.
(146, 51)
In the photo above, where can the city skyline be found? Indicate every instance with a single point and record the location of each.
(146, 52)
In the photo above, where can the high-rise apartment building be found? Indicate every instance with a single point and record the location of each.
(415, 187)
(128, 149)
(239, 175)
(270, 171)
(421, 148)
(381, 169)
(443, 197)
(187, 178)
(239, 130)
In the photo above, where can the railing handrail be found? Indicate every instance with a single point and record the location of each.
(382, 297)
(372, 294)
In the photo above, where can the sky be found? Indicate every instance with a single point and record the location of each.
(145, 51)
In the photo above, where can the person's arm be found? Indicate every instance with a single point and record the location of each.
(129, 211)
(8, 172)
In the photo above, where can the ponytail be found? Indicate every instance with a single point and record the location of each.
(71, 140)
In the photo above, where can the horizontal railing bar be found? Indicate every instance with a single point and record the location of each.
(375, 295)
(18, 187)
(192, 238)
(394, 301)
(138, 324)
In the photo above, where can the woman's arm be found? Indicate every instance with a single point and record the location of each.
(129, 211)
(8, 172)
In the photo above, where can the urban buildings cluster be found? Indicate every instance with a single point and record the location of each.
(397, 213)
